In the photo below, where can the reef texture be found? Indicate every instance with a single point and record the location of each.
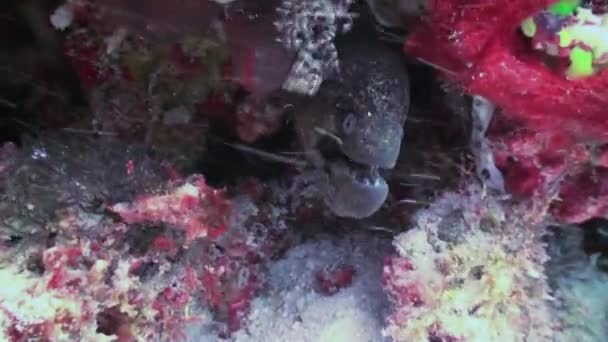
(470, 269)
(81, 264)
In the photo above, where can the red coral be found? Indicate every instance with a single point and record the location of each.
(403, 294)
(481, 43)
(229, 285)
(96, 292)
(558, 119)
(194, 207)
(240, 301)
(541, 163)
(18, 332)
(165, 244)
(99, 275)
(330, 281)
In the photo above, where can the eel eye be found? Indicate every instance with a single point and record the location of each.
(348, 124)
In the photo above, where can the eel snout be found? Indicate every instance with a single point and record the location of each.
(377, 144)
(354, 191)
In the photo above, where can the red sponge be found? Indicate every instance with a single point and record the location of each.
(480, 43)
(553, 133)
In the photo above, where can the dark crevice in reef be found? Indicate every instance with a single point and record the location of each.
(222, 164)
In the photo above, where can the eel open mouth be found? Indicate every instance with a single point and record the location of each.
(354, 190)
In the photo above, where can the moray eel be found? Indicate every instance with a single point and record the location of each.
(353, 127)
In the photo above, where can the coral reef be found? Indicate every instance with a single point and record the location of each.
(171, 252)
(231, 170)
(470, 269)
(89, 290)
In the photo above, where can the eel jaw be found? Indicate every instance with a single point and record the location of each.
(354, 186)
(353, 190)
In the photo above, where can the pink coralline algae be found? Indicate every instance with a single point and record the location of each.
(554, 164)
(331, 280)
(194, 207)
(101, 280)
(82, 283)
